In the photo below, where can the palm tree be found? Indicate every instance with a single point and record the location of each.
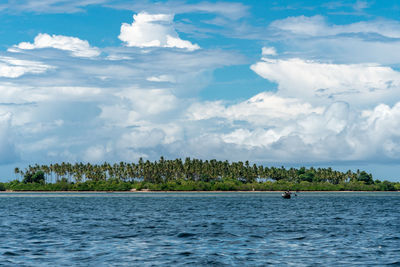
(16, 171)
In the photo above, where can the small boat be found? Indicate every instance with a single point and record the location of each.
(286, 195)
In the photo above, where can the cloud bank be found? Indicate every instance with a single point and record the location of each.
(318, 26)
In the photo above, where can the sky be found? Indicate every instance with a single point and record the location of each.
(278, 83)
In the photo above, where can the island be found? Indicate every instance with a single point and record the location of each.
(189, 175)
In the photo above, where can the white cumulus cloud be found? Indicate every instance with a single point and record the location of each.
(260, 109)
(13, 68)
(77, 47)
(153, 30)
(318, 81)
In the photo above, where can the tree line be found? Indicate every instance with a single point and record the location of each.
(164, 171)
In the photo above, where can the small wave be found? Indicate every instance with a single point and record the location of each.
(298, 238)
(124, 236)
(185, 253)
(204, 225)
(39, 253)
(256, 236)
(10, 253)
(396, 263)
(215, 254)
(217, 234)
(392, 238)
(183, 235)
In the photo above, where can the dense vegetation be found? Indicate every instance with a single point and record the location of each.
(189, 175)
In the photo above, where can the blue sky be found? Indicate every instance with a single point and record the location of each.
(287, 83)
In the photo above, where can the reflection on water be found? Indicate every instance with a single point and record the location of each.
(199, 229)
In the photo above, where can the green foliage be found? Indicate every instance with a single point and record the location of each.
(190, 175)
(36, 177)
(397, 186)
(365, 177)
(183, 185)
(307, 176)
(386, 186)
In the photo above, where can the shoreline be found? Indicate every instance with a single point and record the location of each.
(149, 191)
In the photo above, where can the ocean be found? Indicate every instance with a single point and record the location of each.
(200, 229)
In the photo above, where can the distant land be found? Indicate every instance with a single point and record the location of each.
(189, 175)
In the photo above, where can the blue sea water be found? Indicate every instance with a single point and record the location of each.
(199, 229)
